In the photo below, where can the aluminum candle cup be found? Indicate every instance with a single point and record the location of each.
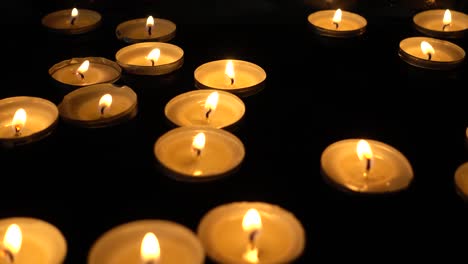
(42, 243)
(431, 53)
(461, 180)
(193, 109)
(87, 107)
(441, 23)
(124, 244)
(236, 76)
(137, 30)
(72, 22)
(366, 166)
(198, 153)
(226, 235)
(150, 58)
(25, 119)
(337, 23)
(73, 73)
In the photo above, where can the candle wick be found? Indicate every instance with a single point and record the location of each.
(445, 26)
(197, 151)
(5, 253)
(152, 62)
(232, 81)
(17, 130)
(80, 74)
(73, 21)
(149, 30)
(336, 25)
(207, 114)
(368, 164)
(252, 237)
(102, 110)
(429, 56)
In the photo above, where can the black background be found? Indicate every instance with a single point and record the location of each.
(318, 91)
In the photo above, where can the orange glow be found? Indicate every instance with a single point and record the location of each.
(150, 251)
(447, 20)
(337, 16)
(13, 238)
(426, 48)
(364, 150)
(19, 120)
(150, 21)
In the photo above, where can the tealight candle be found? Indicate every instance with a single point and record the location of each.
(366, 166)
(441, 23)
(251, 232)
(461, 180)
(79, 72)
(147, 241)
(146, 29)
(72, 21)
(26, 119)
(195, 153)
(431, 53)
(337, 23)
(150, 58)
(205, 107)
(236, 76)
(30, 240)
(99, 105)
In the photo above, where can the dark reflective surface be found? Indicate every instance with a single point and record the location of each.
(318, 91)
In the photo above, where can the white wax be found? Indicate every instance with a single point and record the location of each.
(100, 70)
(390, 170)
(135, 30)
(121, 245)
(188, 109)
(431, 22)
(223, 152)
(60, 21)
(132, 58)
(42, 242)
(41, 115)
(212, 75)
(281, 238)
(81, 106)
(351, 24)
(461, 179)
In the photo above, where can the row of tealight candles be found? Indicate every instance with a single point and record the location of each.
(432, 52)
(238, 232)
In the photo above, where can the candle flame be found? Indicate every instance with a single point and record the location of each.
(198, 142)
(337, 16)
(74, 13)
(154, 55)
(105, 102)
(364, 150)
(251, 220)
(150, 21)
(13, 238)
(426, 48)
(19, 119)
(447, 17)
(212, 101)
(229, 71)
(150, 251)
(83, 67)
